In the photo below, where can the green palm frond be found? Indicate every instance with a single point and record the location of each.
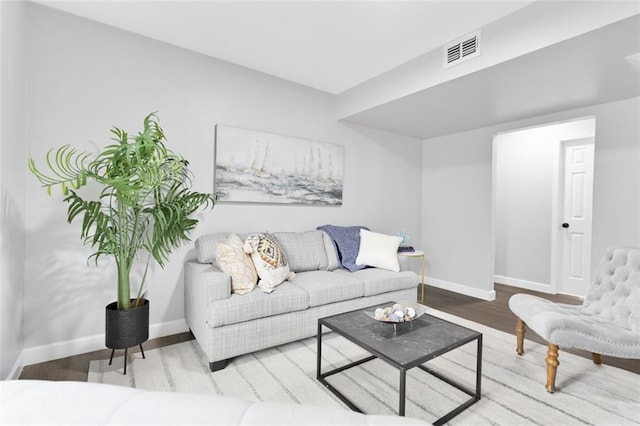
(98, 226)
(68, 168)
(145, 202)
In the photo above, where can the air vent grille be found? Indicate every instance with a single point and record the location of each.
(469, 46)
(453, 53)
(462, 49)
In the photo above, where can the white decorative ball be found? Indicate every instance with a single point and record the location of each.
(379, 314)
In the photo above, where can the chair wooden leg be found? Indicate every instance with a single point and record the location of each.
(520, 329)
(552, 366)
(596, 358)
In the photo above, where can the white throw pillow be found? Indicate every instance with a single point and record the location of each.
(232, 259)
(379, 250)
(269, 260)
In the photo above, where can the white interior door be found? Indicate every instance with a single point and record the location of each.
(576, 214)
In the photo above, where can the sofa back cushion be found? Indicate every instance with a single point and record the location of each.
(333, 260)
(305, 251)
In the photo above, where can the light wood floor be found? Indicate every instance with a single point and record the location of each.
(495, 314)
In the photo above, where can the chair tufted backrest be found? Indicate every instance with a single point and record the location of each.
(615, 291)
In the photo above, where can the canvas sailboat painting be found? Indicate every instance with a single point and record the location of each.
(260, 167)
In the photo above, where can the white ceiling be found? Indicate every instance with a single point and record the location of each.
(335, 45)
(600, 66)
(328, 45)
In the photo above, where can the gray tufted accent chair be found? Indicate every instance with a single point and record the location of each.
(607, 323)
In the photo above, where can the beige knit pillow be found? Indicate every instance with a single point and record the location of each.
(234, 261)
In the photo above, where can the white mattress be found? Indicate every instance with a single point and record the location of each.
(45, 402)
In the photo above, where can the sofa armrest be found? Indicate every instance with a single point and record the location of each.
(204, 284)
(208, 281)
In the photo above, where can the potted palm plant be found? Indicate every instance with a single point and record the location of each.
(144, 207)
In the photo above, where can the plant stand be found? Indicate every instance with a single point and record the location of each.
(126, 328)
(125, 357)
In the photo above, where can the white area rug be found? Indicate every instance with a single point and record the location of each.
(513, 390)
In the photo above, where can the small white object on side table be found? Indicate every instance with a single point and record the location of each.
(417, 253)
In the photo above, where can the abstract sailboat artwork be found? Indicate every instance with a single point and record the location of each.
(259, 167)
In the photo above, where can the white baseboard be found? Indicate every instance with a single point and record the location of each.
(167, 328)
(43, 353)
(461, 288)
(17, 368)
(529, 285)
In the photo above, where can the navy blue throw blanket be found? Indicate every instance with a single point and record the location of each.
(347, 242)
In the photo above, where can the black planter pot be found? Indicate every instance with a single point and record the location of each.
(126, 328)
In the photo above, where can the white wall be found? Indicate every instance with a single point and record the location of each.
(523, 170)
(12, 186)
(456, 213)
(456, 197)
(616, 185)
(85, 77)
(525, 181)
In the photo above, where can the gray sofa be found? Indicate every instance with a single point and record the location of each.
(226, 324)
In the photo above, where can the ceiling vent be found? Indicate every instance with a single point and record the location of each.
(462, 49)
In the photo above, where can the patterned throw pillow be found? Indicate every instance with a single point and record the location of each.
(269, 260)
(234, 261)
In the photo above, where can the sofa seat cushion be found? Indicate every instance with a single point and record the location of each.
(327, 287)
(257, 304)
(378, 281)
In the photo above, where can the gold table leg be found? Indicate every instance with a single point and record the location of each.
(552, 367)
(422, 281)
(520, 329)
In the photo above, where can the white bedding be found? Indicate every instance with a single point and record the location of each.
(47, 402)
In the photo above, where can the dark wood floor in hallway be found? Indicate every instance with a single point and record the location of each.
(495, 314)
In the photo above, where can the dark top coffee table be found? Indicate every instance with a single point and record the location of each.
(406, 346)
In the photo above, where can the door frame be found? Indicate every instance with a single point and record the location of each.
(557, 218)
(558, 155)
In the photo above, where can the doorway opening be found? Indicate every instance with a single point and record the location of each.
(542, 206)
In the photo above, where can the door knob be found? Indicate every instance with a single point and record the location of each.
(565, 225)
